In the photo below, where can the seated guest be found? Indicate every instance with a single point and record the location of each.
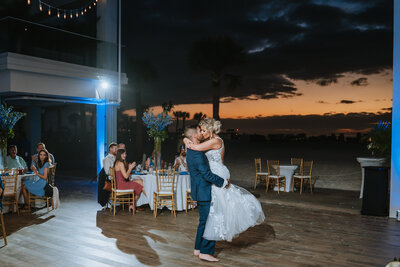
(121, 146)
(123, 172)
(180, 162)
(36, 184)
(150, 162)
(39, 147)
(13, 161)
(109, 160)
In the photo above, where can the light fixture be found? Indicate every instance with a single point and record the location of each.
(28, 2)
(104, 85)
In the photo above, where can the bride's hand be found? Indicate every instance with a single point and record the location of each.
(187, 142)
(228, 184)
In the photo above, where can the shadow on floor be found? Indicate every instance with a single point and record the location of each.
(130, 239)
(13, 222)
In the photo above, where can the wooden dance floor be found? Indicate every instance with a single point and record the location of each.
(80, 234)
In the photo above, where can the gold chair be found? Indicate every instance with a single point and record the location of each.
(274, 175)
(165, 190)
(3, 228)
(260, 176)
(121, 196)
(51, 181)
(10, 191)
(189, 201)
(305, 173)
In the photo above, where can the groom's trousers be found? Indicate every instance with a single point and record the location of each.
(205, 246)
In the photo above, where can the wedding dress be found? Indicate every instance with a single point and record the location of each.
(232, 210)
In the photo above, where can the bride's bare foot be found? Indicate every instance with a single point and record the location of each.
(196, 252)
(207, 257)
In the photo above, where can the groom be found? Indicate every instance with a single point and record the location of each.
(201, 179)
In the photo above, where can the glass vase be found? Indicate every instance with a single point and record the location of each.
(157, 152)
(3, 152)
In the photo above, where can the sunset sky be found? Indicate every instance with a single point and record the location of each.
(305, 59)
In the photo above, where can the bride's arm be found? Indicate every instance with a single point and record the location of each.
(207, 145)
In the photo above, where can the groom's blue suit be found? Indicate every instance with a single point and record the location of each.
(201, 179)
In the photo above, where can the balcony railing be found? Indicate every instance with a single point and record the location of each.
(33, 39)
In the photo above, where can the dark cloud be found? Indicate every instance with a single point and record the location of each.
(284, 40)
(344, 101)
(387, 109)
(321, 102)
(363, 81)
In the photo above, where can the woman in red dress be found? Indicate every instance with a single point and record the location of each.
(122, 173)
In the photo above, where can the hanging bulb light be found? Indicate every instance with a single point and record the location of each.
(58, 13)
(94, 3)
(40, 6)
(90, 6)
(28, 2)
(77, 15)
(70, 15)
(85, 10)
(82, 12)
(65, 15)
(49, 12)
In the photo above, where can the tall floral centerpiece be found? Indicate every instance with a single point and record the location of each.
(8, 118)
(156, 125)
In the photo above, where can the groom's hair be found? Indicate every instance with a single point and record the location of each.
(190, 130)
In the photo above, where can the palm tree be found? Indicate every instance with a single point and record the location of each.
(178, 115)
(185, 115)
(216, 55)
(140, 73)
(199, 116)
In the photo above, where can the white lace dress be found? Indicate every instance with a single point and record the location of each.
(232, 210)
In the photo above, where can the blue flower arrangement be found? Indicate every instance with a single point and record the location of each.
(8, 118)
(156, 124)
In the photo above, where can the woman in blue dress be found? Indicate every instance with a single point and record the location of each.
(36, 185)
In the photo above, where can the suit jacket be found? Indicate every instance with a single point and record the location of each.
(201, 177)
(102, 195)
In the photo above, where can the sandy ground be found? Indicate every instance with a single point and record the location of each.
(335, 165)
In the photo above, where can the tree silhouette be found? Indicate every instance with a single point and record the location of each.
(216, 55)
(199, 116)
(185, 115)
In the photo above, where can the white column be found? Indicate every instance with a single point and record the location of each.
(101, 142)
(395, 167)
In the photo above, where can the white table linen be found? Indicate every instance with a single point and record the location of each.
(182, 184)
(287, 171)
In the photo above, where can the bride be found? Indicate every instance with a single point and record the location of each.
(232, 210)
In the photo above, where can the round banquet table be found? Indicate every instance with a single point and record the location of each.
(287, 171)
(182, 184)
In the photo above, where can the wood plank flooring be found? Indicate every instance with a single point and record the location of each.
(80, 234)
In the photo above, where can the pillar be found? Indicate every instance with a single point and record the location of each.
(395, 164)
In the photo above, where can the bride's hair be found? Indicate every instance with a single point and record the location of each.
(211, 125)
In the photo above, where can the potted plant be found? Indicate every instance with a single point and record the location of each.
(8, 118)
(379, 144)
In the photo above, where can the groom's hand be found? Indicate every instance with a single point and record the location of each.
(228, 184)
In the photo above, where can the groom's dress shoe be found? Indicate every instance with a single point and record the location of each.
(207, 257)
(196, 252)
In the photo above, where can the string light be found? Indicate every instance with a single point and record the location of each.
(60, 12)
